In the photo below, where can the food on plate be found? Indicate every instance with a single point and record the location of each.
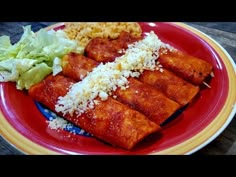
(139, 96)
(176, 88)
(107, 77)
(34, 56)
(113, 82)
(171, 85)
(148, 100)
(77, 66)
(110, 120)
(105, 50)
(192, 69)
(83, 32)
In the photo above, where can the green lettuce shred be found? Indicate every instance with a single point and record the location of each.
(33, 57)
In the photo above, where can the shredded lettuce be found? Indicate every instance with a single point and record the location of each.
(33, 76)
(34, 56)
(11, 69)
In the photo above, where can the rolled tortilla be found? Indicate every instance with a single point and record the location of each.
(190, 68)
(171, 85)
(110, 120)
(140, 96)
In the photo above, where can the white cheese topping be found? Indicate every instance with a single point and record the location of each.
(105, 78)
(58, 123)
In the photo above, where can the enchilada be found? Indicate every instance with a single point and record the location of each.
(190, 68)
(140, 96)
(110, 121)
(171, 85)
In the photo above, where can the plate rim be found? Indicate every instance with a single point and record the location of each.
(189, 146)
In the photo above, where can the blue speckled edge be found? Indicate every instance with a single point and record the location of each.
(50, 115)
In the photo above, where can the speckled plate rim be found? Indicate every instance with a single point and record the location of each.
(189, 146)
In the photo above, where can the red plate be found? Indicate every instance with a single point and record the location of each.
(24, 126)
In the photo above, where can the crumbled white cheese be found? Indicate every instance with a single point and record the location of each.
(105, 78)
(57, 123)
(103, 95)
(169, 47)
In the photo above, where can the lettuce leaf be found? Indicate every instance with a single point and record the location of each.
(33, 76)
(11, 69)
(34, 53)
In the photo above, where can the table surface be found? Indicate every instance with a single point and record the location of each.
(223, 32)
